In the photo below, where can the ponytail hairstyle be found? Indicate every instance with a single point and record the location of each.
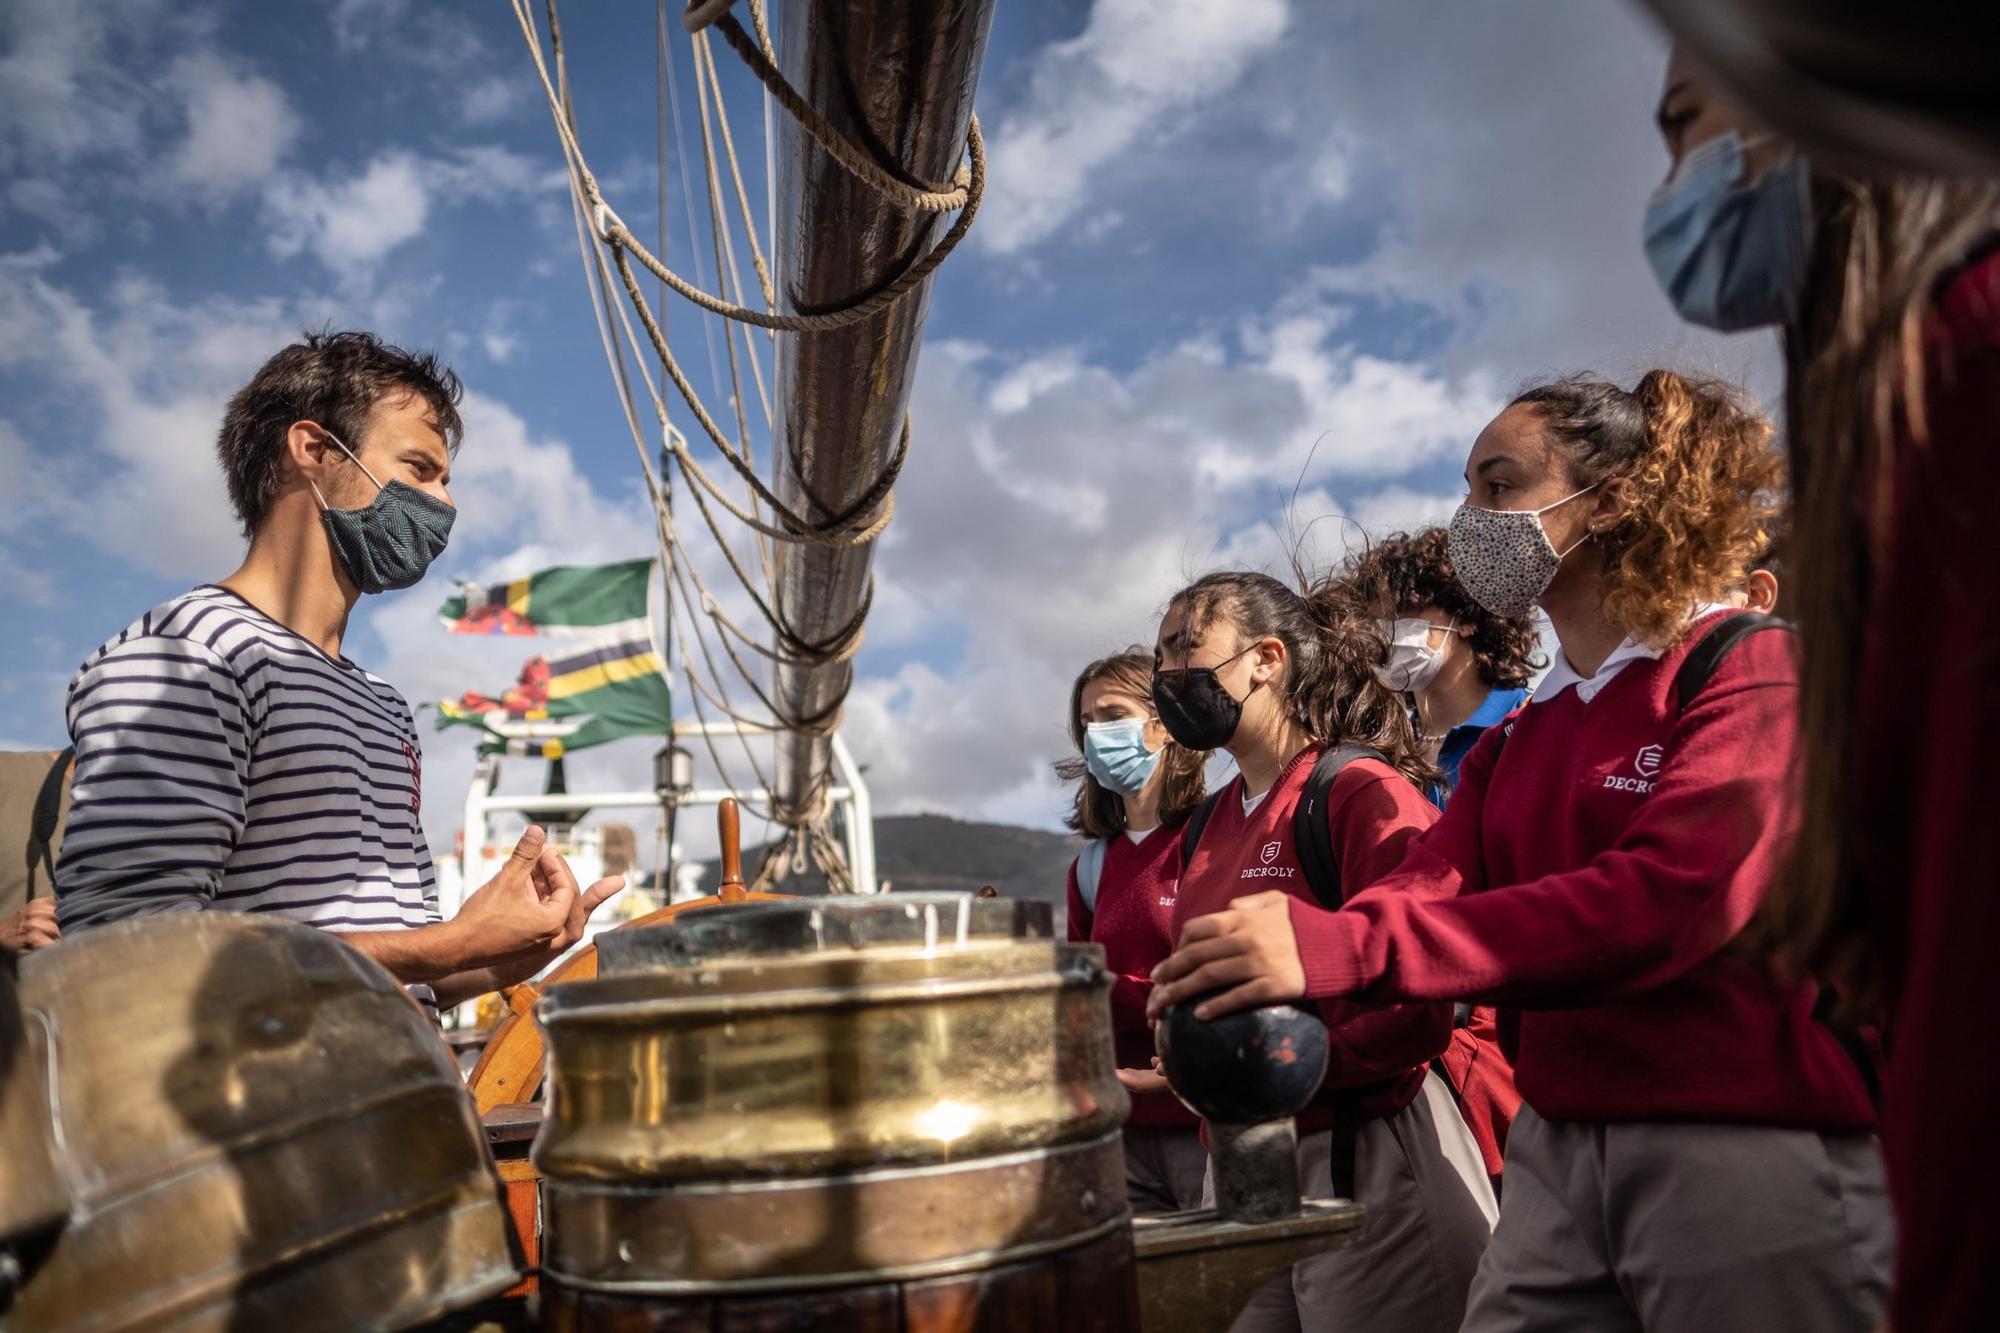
(1704, 484)
(1099, 813)
(1331, 649)
(1882, 251)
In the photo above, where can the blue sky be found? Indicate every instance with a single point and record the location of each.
(1226, 249)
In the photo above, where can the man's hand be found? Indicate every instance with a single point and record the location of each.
(554, 880)
(33, 927)
(528, 913)
(512, 927)
(1248, 952)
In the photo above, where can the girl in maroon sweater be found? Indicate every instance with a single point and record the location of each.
(1134, 790)
(1248, 665)
(1696, 1151)
(1888, 290)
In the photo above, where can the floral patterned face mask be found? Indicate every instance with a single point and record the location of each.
(1503, 557)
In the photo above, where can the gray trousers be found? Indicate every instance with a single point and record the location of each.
(1409, 1271)
(1164, 1169)
(1685, 1228)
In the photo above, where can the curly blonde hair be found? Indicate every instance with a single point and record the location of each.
(1704, 488)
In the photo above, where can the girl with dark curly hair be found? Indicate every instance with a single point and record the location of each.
(1279, 680)
(1134, 790)
(1696, 1150)
(1463, 668)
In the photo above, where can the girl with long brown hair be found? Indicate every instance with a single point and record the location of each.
(1695, 1149)
(1134, 790)
(1286, 683)
(1888, 293)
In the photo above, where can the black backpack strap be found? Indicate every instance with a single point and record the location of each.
(1312, 836)
(1346, 1108)
(1698, 667)
(1196, 822)
(42, 823)
(1850, 1041)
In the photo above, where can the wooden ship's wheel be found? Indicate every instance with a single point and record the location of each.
(510, 1067)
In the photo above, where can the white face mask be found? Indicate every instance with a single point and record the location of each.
(1413, 664)
(1503, 557)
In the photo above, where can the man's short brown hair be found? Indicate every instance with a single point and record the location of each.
(335, 379)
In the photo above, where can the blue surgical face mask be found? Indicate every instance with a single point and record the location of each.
(392, 541)
(1115, 753)
(1730, 256)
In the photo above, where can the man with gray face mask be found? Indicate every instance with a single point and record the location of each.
(230, 757)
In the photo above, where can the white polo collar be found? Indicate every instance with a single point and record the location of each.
(1562, 675)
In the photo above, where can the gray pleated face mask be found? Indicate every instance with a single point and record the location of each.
(389, 543)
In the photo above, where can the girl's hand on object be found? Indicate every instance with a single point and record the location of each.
(1249, 953)
(1142, 1080)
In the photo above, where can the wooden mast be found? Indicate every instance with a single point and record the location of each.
(897, 76)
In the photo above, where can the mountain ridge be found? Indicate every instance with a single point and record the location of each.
(932, 853)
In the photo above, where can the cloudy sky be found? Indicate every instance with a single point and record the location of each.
(1228, 251)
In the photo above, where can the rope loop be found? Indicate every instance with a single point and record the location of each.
(700, 13)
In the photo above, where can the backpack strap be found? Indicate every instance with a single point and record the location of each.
(1312, 839)
(1312, 835)
(1696, 669)
(42, 823)
(1699, 666)
(1850, 1042)
(1090, 872)
(1196, 822)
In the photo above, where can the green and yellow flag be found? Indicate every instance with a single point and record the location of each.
(606, 674)
(569, 599)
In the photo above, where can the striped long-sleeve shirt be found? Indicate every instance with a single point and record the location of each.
(224, 762)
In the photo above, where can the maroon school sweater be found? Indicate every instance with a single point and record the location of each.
(1135, 913)
(1378, 1051)
(1926, 734)
(1586, 875)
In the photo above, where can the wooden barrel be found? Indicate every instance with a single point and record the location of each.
(260, 1129)
(893, 1112)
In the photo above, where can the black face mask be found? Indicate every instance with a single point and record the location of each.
(1195, 708)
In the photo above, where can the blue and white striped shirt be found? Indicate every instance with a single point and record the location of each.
(224, 762)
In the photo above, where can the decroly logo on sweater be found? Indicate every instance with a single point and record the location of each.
(1268, 854)
(1646, 763)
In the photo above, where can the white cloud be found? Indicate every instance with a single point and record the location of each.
(129, 97)
(239, 126)
(489, 100)
(1123, 82)
(350, 223)
(151, 375)
(359, 25)
(1503, 172)
(1364, 413)
(1052, 504)
(1401, 509)
(60, 95)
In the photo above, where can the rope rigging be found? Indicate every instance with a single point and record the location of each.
(613, 257)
